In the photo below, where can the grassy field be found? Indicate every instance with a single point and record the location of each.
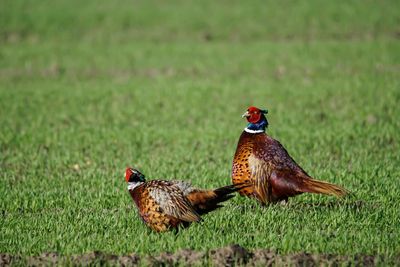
(88, 88)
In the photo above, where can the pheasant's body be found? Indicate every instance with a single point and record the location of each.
(151, 196)
(258, 160)
(264, 163)
(164, 205)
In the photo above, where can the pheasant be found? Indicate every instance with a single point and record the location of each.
(264, 163)
(165, 205)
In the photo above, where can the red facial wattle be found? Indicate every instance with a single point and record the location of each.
(128, 174)
(254, 117)
(254, 114)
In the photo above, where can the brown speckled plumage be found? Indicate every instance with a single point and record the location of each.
(164, 205)
(241, 169)
(160, 216)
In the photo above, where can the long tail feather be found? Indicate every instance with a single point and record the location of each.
(205, 201)
(320, 187)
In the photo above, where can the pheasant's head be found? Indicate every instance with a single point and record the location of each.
(254, 115)
(256, 118)
(133, 176)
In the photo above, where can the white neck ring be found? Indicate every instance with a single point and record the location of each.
(253, 131)
(133, 185)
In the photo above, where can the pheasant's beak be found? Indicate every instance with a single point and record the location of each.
(246, 115)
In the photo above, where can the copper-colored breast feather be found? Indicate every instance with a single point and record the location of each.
(151, 213)
(241, 173)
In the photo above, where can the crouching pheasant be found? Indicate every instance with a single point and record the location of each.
(264, 163)
(164, 205)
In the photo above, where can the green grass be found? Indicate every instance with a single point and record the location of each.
(161, 87)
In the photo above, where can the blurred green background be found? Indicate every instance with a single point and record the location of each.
(88, 88)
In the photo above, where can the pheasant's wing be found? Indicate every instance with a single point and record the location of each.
(272, 151)
(272, 169)
(260, 172)
(172, 201)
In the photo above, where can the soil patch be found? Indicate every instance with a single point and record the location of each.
(233, 255)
